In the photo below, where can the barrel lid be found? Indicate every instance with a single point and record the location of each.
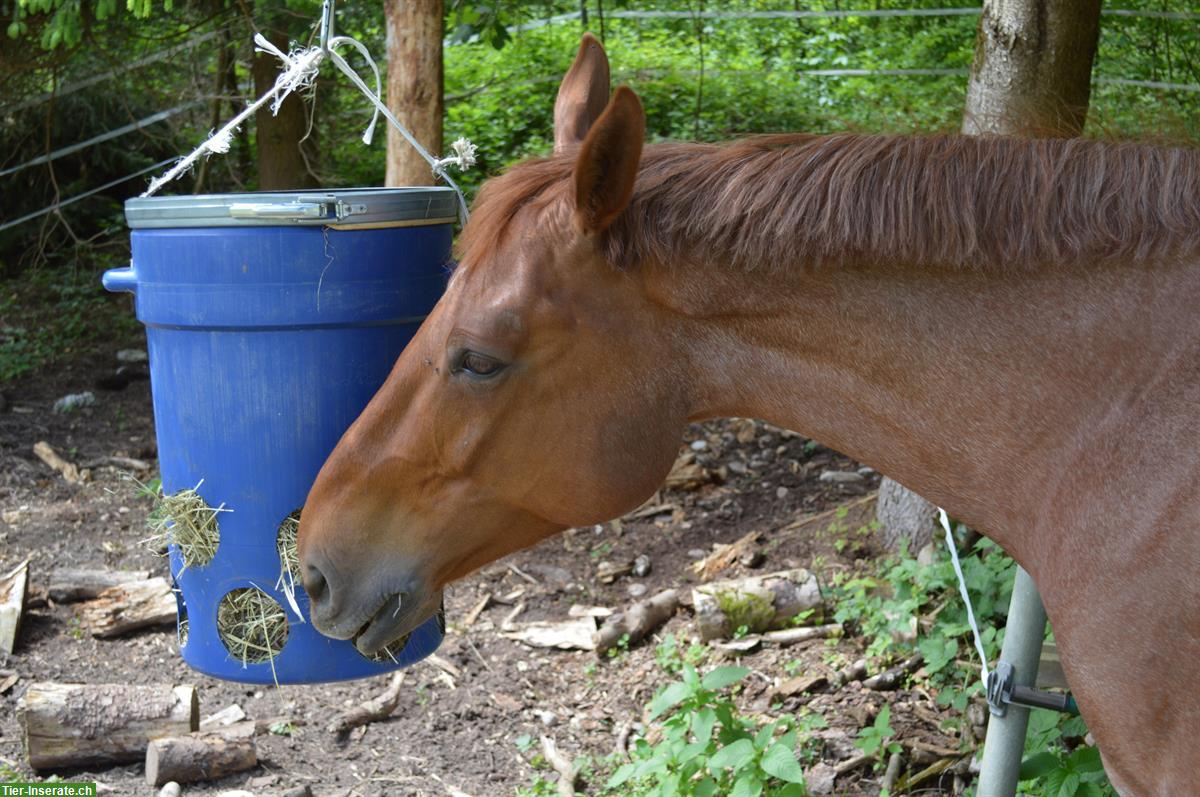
(340, 207)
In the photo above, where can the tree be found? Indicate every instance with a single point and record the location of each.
(414, 86)
(1033, 67)
(279, 137)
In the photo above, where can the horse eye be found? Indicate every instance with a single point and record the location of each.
(479, 364)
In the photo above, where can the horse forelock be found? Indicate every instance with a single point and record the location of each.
(784, 201)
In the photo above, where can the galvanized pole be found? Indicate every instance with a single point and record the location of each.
(1005, 742)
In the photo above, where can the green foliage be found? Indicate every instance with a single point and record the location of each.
(881, 605)
(46, 316)
(707, 748)
(1056, 764)
(671, 657)
(876, 738)
(66, 20)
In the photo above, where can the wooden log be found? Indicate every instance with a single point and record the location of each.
(206, 755)
(636, 623)
(77, 725)
(68, 585)
(128, 607)
(14, 590)
(759, 603)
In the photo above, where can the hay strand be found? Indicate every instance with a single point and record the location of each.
(185, 520)
(252, 625)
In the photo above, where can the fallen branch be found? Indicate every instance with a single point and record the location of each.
(892, 678)
(71, 474)
(796, 525)
(851, 764)
(566, 769)
(851, 672)
(892, 773)
(637, 622)
(371, 711)
(470, 617)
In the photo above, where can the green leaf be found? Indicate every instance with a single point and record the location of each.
(780, 762)
(748, 785)
(722, 677)
(763, 737)
(731, 756)
(793, 790)
(702, 724)
(1086, 759)
(1038, 766)
(672, 695)
(705, 788)
(622, 774)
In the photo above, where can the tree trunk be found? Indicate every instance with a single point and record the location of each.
(281, 163)
(414, 86)
(904, 517)
(1033, 67)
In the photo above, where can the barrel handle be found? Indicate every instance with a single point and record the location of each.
(120, 279)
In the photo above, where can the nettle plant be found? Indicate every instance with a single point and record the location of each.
(707, 748)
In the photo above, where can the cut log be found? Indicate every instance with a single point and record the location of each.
(206, 755)
(758, 604)
(77, 725)
(69, 585)
(128, 607)
(14, 590)
(636, 623)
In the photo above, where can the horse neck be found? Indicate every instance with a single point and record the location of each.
(974, 388)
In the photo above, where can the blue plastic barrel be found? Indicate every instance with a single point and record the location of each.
(271, 319)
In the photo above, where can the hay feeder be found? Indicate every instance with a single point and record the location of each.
(271, 319)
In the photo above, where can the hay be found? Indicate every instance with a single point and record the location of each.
(285, 544)
(252, 625)
(389, 652)
(182, 632)
(184, 520)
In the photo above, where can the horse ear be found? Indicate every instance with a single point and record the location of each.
(582, 95)
(608, 162)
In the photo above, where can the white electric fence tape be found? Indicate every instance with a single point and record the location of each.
(302, 66)
(962, 587)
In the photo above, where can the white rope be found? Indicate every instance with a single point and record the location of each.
(962, 588)
(302, 67)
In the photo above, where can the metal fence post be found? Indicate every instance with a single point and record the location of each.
(1005, 742)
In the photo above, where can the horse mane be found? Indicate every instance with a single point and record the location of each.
(849, 199)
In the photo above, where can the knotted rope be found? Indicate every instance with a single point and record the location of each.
(302, 66)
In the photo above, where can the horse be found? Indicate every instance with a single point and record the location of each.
(1006, 326)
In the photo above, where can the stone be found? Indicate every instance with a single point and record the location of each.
(840, 477)
(75, 401)
(641, 566)
(171, 789)
(636, 590)
(132, 356)
(820, 779)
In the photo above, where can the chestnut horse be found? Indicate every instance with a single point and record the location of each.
(1006, 326)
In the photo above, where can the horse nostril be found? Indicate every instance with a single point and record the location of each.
(315, 585)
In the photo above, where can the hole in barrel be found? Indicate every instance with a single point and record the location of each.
(252, 625)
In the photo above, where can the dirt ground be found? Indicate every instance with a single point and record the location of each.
(459, 730)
